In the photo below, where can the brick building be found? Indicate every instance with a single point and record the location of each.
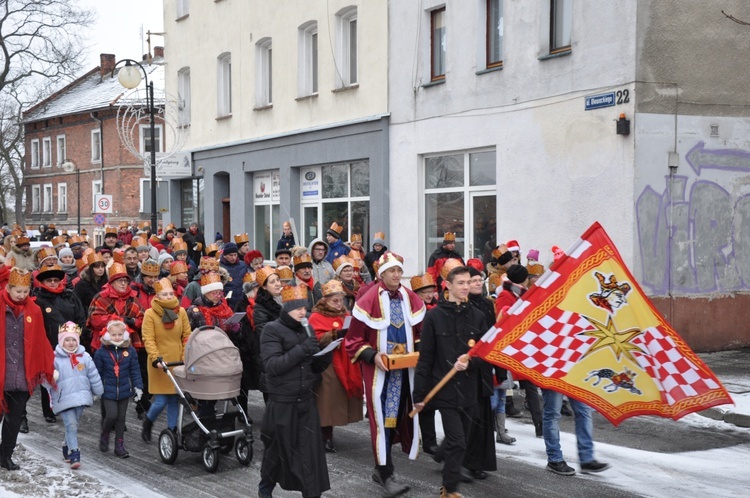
(74, 151)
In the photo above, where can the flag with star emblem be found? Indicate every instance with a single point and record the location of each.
(587, 330)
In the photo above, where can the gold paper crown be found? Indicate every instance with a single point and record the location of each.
(449, 237)
(70, 328)
(81, 264)
(356, 238)
(210, 278)
(94, 257)
(389, 257)
(110, 231)
(285, 273)
(449, 265)
(340, 262)
(117, 270)
(16, 232)
(118, 256)
(142, 224)
(379, 235)
(178, 267)
(179, 245)
(535, 269)
(241, 238)
(163, 284)
(302, 259)
(51, 226)
(248, 277)
(293, 293)
(45, 252)
(356, 259)
(154, 239)
(75, 239)
(336, 228)
(123, 224)
(19, 278)
(262, 274)
(84, 232)
(150, 268)
(171, 226)
(209, 264)
(137, 242)
(211, 248)
(332, 287)
(422, 281)
(499, 251)
(22, 240)
(86, 253)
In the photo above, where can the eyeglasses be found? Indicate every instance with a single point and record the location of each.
(52, 280)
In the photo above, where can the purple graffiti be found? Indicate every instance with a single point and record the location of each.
(726, 159)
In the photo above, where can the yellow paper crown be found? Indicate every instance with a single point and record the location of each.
(209, 264)
(248, 277)
(262, 274)
(150, 268)
(69, 328)
(163, 284)
(19, 278)
(422, 281)
(285, 273)
(340, 263)
(332, 287)
(449, 265)
(178, 267)
(356, 238)
(241, 238)
(293, 293)
(449, 237)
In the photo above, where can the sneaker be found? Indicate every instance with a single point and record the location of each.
(561, 468)
(593, 467)
(66, 454)
(104, 442)
(75, 459)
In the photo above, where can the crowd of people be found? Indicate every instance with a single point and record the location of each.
(325, 330)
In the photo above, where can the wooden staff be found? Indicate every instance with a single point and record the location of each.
(464, 358)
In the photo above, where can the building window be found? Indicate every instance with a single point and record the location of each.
(183, 95)
(437, 44)
(47, 198)
(460, 197)
(96, 146)
(264, 73)
(47, 152)
(308, 59)
(494, 33)
(62, 197)
(61, 150)
(346, 45)
(145, 139)
(267, 211)
(35, 154)
(336, 192)
(182, 8)
(561, 22)
(96, 189)
(36, 198)
(225, 85)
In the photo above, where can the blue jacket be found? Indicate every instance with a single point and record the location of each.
(336, 250)
(120, 386)
(75, 385)
(236, 272)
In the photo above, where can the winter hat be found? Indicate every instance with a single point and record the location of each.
(69, 329)
(474, 272)
(218, 237)
(518, 274)
(293, 297)
(513, 245)
(557, 252)
(230, 248)
(533, 254)
(211, 282)
(335, 230)
(65, 252)
(388, 260)
(476, 264)
(164, 257)
(505, 257)
(115, 322)
(379, 238)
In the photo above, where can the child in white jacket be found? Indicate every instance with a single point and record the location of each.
(77, 383)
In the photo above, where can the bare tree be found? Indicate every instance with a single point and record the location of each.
(41, 46)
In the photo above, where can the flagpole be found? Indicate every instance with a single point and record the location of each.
(464, 358)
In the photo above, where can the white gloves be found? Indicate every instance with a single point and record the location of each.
(138, 394)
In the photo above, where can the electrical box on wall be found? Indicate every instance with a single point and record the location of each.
(623, 125)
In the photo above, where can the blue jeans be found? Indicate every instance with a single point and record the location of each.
(498, 401)
(551, 428)
(70, 419)
(170, 401)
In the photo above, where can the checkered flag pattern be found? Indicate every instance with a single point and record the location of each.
(552, 345)
(676, 376)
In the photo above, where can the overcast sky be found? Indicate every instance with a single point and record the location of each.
(117, 29)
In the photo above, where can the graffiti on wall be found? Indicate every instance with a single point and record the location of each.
(709, 224)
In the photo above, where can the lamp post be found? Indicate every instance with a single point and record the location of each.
(68, 166)
(130, 77)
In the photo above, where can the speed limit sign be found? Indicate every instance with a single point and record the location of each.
(103, 203)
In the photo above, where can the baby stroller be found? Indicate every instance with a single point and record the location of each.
(211, 371)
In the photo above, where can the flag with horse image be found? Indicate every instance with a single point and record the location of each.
(587, 330)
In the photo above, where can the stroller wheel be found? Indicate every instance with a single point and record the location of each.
(243, 451)
(210, 459)
(168, 446)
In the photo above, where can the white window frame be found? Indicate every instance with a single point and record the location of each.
(183, 8)
(46, 152)
(347, 47)
(224, 85)
(61, 149)
(35, 154)
(307, 63)
(62, 197)
(36, 198)
(96, 188)
(47, 198)
(96, 146)
(264, 72)
(561, 24)
(144, 133)
(183, 95)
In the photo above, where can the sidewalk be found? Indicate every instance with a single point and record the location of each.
(733, 370)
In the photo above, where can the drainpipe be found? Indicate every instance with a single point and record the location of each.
(95, 115)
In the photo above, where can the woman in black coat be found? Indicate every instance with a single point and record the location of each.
(93, 277)
(267, 309)
(59, 305)
(294, 454)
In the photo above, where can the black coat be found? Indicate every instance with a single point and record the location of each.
(446, 331)
(58, 309)
(86, 289)
(248, 342)
(266, 310)
(443, 253)
(371, 257)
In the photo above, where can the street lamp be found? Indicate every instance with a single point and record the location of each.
(69, 166)
(130, 77)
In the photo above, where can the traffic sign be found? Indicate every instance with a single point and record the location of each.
(100, 219)
(103, 203)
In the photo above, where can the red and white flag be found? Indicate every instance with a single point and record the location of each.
(587, 330)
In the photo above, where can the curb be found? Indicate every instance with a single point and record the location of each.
(730, 417)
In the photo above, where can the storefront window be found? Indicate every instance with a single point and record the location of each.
(267, 212)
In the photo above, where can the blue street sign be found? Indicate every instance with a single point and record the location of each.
(599, 101)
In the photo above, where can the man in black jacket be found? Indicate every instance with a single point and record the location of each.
(446, 332)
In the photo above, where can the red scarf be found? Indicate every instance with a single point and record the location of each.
(74, 358)
(215, 315)
(249, 312)
(310, 283)
(38, 356)
(323, 320)
(59, 290)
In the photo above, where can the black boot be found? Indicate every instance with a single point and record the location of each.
(146, 429)
(7, 463)
(510, 408)
(24, 426)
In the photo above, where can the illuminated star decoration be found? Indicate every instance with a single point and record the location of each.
(608, 337)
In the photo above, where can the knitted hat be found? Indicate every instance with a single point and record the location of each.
(533, 254)
(557, 252)
(335, 230)
(518, 274)
(65, 251)
(230, 248)
(116, 322)
(250, 256)
(379, 238)
(117, 270)
(293, 297)
(388, 260)
(211, 282)
(165, 256)
(476, 264)
(69, 329)
(262, 274)
(218, 237)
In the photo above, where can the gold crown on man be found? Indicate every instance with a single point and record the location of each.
(241, 238)
(293, 293)
(449, 265)
(209, 264)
